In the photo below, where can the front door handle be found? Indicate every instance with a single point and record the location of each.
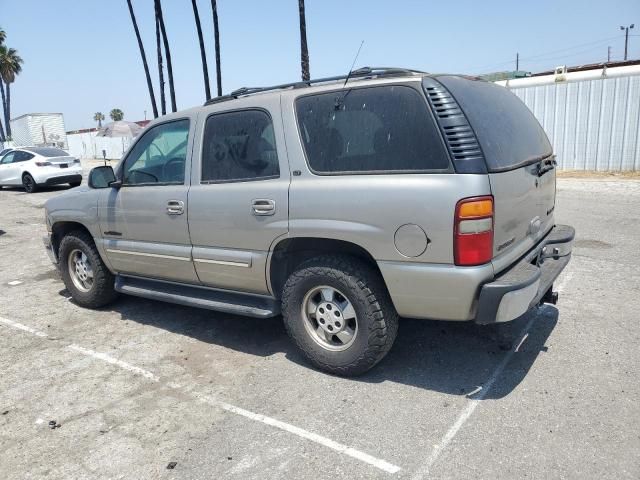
(263, 206)
(175, 207)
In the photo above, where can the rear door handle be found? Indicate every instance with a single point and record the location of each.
(175, 207)
(263, 206)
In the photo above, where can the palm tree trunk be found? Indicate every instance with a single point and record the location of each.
(4, 109)
(8, 116)
(167, 54)
(304, 51)
(216, 36)
(1, 132)
(163, 101)
(203, 54)
(144, 61)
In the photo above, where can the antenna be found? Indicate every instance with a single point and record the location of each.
(353, 64)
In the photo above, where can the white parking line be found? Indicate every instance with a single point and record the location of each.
(424, 469)
(114, 361)
(314, 437)
(19, 326)
(338, 447)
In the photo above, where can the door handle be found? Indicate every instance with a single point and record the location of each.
(175, 207)
(263, 206)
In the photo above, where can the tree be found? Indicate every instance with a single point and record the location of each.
(163, 102)
(304, 51)
(144, 60)
(10, 66)
(3, 37)
(98, 117)
(203, 54)
(167, 54)
(216, 37)
(116, 114)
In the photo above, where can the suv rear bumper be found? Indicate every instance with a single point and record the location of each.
(526, 283)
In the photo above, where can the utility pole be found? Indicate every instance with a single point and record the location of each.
(626, 38)
(608, 54)
(517, 62)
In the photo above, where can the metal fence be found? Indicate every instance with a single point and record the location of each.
(592, 124)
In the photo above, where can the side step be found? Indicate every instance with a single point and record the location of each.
(200, 297)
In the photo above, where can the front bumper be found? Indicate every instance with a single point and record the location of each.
(526, 283)
(49, 248)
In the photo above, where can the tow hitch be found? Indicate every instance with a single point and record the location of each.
(550, 297)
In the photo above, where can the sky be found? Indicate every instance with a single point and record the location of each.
(81, 56)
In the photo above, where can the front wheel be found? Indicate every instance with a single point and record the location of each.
(29, 183)
(84, 273)
(339, 314)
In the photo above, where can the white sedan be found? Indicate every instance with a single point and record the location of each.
(32, 167)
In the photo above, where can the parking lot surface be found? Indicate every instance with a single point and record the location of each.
(139, 387)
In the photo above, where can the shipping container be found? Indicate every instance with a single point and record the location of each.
(39, 129)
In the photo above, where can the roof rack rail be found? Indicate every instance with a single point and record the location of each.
(357, 73)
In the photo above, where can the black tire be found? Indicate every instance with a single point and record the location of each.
(29, 183)
(74, 184)
(377, 320)
(102, 291)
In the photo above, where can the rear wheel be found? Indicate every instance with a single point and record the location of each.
(339, 314)
(29, 183)
(84, 273)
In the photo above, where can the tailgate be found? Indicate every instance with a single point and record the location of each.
(524, 201)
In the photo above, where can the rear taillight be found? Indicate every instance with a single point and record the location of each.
(43, 164)
(473, 231)
(76, 160)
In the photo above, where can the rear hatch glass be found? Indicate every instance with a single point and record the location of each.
(517, 151)
(509, 134)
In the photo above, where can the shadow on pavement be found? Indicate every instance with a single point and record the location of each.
(447, 357)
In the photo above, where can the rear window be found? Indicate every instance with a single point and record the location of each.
(372, 129)
(48, 151)
(509, 134)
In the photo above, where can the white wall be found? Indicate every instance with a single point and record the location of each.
(593, 124)
(87, 145)
(38, 129)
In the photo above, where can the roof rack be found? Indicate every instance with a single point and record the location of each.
(363, 72)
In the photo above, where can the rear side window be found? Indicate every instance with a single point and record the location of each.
(509, 134)
(239, 146)
(49, 151)
(375, 129)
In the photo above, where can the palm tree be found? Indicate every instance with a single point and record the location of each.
(304, 51)
(10, 66)
(98, 117)
(203, 55)
(216, 37)
(144, 60)
(116, 114)
(163, 102)
(167, 53)
(3, 37)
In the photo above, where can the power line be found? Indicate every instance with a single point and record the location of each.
(510, 62)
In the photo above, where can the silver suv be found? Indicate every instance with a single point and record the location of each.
(340, 203)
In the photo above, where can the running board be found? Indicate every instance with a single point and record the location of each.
(200, 297)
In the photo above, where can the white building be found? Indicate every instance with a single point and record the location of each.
(39, 129)
(591, 114)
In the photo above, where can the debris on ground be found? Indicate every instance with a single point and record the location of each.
(172, 465)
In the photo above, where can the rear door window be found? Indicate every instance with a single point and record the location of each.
(239, 146)
(369, 130)
(509, 134)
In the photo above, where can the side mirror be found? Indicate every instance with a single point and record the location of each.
(102, 177)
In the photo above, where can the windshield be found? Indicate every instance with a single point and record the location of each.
(509, 134)
(48, 151)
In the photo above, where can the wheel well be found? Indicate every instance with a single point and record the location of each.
(291, 252)
(60, 229)
(26, 173)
